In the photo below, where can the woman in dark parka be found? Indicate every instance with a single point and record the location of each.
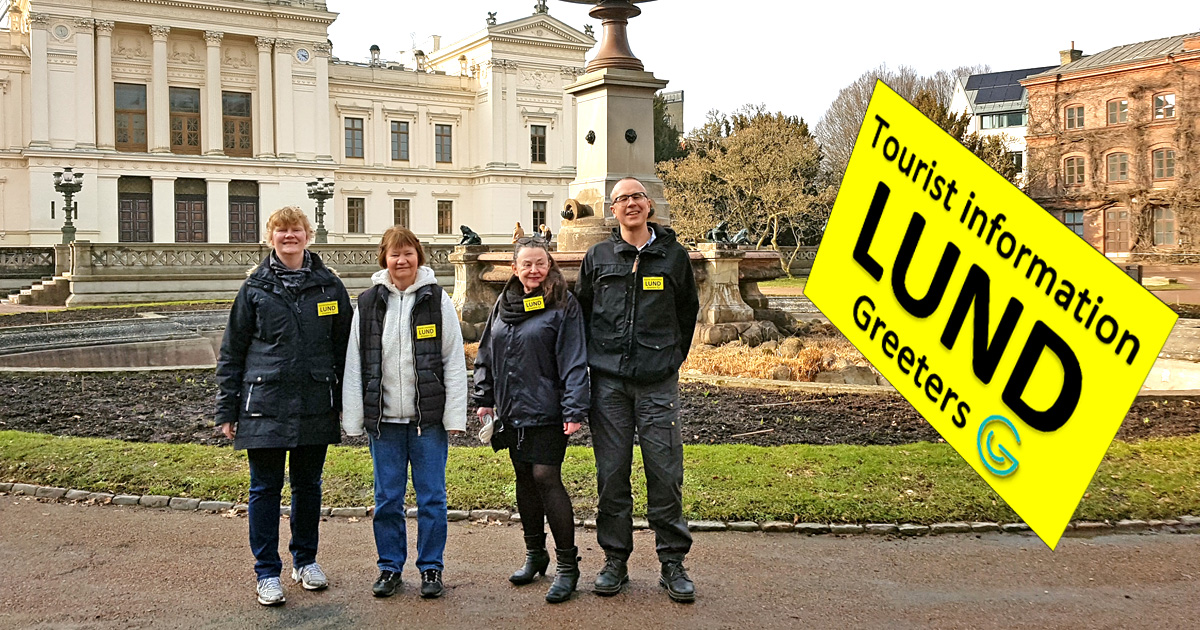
(280, 395)
(531, 373)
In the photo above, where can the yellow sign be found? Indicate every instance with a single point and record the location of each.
(1020, 343)
(534, 304)
(652, 283)
(327, 308)
(428, 331)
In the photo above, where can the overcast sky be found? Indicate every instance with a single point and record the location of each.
(793, 56)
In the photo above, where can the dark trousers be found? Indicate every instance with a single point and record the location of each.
(266, 485)
(621, 409)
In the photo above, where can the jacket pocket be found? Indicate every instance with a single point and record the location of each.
(657, 354)
(261, 394)
(611, 298)
(319, 396)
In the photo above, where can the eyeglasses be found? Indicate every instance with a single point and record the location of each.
(624, 199)
(531, 240)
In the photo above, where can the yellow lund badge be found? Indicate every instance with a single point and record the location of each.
(428, 331)
(534, 304)
(1020, 343)
(652, 283)
(326, 308)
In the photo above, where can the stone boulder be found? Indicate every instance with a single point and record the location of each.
(781, 373)
(790, 348)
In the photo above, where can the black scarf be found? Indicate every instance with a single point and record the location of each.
(512, 302)
(292, 279)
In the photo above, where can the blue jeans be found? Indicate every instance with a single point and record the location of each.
(397, 446)
(266, 486)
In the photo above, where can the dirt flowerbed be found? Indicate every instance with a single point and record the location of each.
(177, 407)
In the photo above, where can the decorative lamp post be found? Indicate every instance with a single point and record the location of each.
(319, 191)
(68, 182)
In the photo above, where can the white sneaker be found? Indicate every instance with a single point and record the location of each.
(270, 592)
(311, 577)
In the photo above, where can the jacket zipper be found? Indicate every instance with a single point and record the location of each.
(249, 395)
(633, 306)
(416, 375)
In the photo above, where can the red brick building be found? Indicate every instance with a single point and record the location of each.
(1114, 145)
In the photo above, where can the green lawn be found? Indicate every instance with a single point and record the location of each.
(784, 283)
(919, 483)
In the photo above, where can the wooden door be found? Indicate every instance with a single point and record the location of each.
(134, 219)
(243, 220)
(191, 220)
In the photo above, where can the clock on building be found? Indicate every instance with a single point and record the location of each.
(302, 55)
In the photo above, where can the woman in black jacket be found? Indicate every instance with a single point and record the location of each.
(531, 373)
(280, 394)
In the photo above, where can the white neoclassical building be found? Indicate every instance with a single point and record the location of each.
(191, 120)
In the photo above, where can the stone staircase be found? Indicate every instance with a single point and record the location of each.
(51, 291)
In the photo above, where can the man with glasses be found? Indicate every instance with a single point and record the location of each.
(639, 300)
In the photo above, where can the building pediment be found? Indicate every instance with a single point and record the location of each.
(542, 27)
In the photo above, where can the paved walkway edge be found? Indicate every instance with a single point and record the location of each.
(1181, 525)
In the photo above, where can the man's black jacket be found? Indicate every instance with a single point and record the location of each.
(640, 307)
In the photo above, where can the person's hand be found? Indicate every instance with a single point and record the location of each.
(229, 429)
(483, 412)
(571, 427)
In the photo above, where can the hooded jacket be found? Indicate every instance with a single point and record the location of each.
(399, 375)
(640, 306)
(532, 367)
(280, 365)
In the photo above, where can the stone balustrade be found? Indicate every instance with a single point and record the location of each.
(22, 266)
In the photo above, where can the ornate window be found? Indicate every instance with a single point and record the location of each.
(356, 215)
(442, 144)
(537, 144)
(236, 125)
(130, 117)
(354, 137)
(445, 216)
(399, 140)
(539, 215)
(185, 120)
(400, 212)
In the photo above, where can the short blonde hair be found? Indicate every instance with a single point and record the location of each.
(288, 216)
(396, 237)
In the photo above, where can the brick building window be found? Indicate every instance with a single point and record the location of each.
(1118, 112)
(537, 144)
(356, 215)
(1018, 160)
(1164, 163)
(236, 123)
(1164, 226)
(1164, 106)
(1075, 117)
(1074, 171)
(185, 120)
(1074, 220)
(445, 216)
(442, 143)
(130, 116)
(1118, 167)
(399, 140)
(400, 209)
(354, 137)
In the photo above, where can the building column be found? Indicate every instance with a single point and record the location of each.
(160, 99)
(266, 117)
(106, 206)
(39, 76)
(163, 208)
(324, 147)
(379, 144)
(85, 84)
(218, 210)
(106, 104)
(285, 128)
(213, 142)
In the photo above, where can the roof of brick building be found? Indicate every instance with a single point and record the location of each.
(1124, 54)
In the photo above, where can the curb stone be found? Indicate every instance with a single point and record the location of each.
(1182, 524)
(950, 528)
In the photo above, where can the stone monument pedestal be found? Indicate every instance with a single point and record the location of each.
(473, 296)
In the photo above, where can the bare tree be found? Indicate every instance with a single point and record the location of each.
(838, 128)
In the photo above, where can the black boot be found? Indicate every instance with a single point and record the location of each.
(675, 579)
(566, 576)
(536, 560)
(612, 577)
